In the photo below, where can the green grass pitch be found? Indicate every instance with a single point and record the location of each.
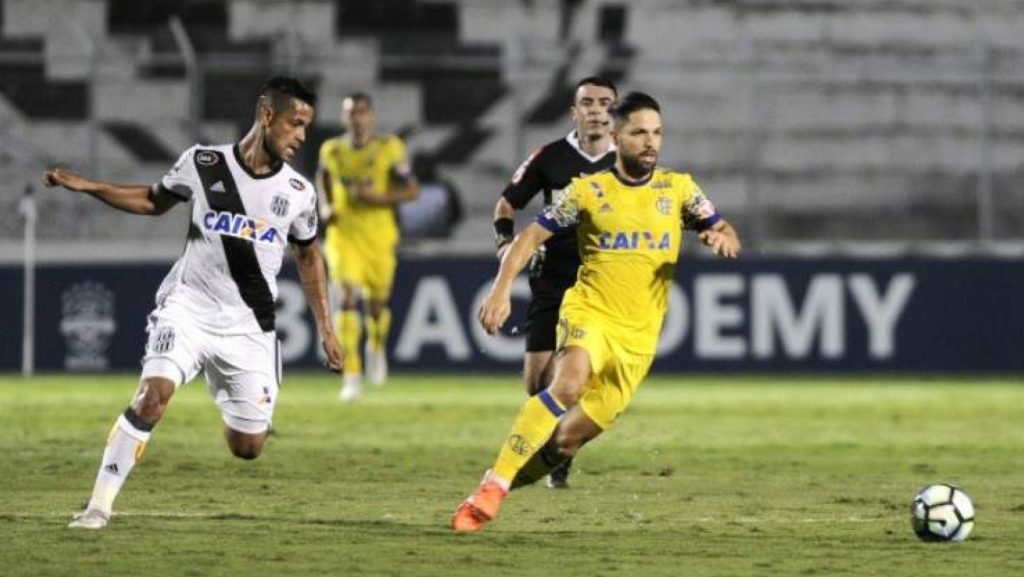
(702, 476)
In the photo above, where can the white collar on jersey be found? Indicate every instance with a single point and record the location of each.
(574, 141)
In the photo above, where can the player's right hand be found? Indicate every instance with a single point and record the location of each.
(494, 311)
(335, 356)
(720, 243)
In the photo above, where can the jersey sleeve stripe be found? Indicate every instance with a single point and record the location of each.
(548, 223)
(301, 241)
(179, 192)
(706, 223)
(551, 404)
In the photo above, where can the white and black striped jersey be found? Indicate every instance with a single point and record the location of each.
(240, 225)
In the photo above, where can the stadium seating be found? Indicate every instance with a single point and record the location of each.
(811, 119)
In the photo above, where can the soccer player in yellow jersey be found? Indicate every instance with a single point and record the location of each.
(629, 222)
(363, 176)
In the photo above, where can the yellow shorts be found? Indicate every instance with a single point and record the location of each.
(374, 273)
(617, 372)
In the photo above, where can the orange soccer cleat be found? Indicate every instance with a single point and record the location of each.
(481, 507)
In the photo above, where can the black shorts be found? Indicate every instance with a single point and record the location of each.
(542, 313)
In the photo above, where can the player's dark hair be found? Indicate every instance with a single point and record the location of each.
(595, 81)
(279, 90)
(360, 96)
(631, 103)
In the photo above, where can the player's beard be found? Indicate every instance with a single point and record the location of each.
(636, 168)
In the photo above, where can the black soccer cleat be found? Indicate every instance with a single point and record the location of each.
(559, 476)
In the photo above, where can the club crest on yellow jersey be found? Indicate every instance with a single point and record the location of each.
(664, 205)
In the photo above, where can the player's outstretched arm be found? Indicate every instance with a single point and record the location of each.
(132, 198)
(497, 305)
(722, 238)
(314, 284)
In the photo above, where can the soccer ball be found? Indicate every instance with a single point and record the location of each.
(942, 513)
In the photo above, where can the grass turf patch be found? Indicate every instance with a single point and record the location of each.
(702, 476)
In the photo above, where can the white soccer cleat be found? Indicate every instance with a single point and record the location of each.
(351, 389)
(89, 519)
(376, 366)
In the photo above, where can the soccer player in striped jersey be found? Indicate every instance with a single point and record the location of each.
(215, 308)
(629, 223)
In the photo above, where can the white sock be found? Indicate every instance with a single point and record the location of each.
(124, 447)
(502, 482)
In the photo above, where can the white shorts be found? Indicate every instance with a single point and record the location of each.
(243, 372)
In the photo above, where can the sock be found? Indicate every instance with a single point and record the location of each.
(540, 464)
(533, 427)
(377, 330)
(350, 335)
(339, 325)
(125, 446)
(562, 469)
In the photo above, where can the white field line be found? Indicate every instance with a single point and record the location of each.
(236, 516)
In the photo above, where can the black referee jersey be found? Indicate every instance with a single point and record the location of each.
(549, 169)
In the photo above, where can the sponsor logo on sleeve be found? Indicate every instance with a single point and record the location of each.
(703, 206)
(522, 167)
(207, 158)
(162, 340)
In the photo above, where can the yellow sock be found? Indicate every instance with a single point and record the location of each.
(350, 334)
(533, 427)
(339, 326)
(377, 330)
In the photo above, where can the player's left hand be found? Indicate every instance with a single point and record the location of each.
(721, 244)
(335, 357)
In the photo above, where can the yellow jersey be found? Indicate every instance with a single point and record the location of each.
(629, 237)
(381, 160)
